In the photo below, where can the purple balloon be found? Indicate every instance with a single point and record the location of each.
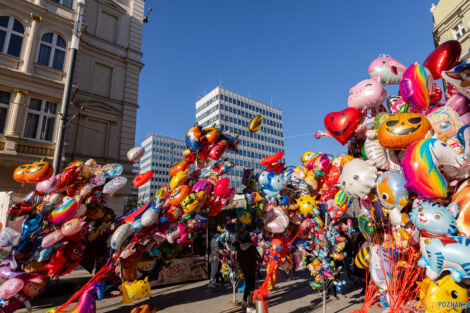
(459, 103)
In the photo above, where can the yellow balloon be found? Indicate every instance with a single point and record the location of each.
(135, 290)
(178, 179)
(306, 204)
(255, 123)
(444, 290)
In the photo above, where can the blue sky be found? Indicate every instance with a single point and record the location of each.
(302, 54)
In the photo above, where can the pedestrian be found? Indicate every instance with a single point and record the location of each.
(248, 259)
(214, 260)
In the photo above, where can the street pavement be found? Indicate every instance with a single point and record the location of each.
(294, 296)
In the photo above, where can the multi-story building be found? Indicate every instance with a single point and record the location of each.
(451, 20)
(160, 154)
(232, 111)
(35, 38)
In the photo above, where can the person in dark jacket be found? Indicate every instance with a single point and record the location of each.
(248, 259)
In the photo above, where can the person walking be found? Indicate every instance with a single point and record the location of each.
(248, 259)
(214, 260)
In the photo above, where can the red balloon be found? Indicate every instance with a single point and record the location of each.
(272, 158)
(435, 96)
(450, 91)
(222, 187)
(332, 176)
(141, 179)
(342, 125)
(443, 58)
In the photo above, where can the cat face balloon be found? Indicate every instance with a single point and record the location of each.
(357, 178)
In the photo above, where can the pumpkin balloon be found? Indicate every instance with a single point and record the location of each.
(38, 171)
(20, 171)
(342, 125)
(255, 123)
(210, 135)
(399, 131)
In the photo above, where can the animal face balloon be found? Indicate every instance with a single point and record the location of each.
(387, 69)
(459, 76)
(434, 218)
(391, 189)
(367, 94)
(357, 178)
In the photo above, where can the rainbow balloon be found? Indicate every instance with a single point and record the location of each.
(415, 86)
(421, 172)
(64, 212)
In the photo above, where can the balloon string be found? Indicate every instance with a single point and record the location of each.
(299, 135)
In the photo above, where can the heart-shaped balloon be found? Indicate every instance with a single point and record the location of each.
(342, 125)
(443, 58)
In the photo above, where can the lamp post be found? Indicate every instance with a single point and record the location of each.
(64, 109)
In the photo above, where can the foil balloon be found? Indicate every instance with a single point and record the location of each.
(11, 287)
(142, 178)
(51, 239)
(38, 171)
(121, 236)
(443, 58)
(435, 96)
(367, 95)
(443, 290)
(357, 178)
(387, 69)
(114, 185)
(210, 135)
(450, 91)
(135, 154)
(342, 125)
(48, 185)
(421, 168)
(112, 170)
(7, 273)
(221, 187)
(178, 179)
(458, 76)
(462, 198)
(461, 105)
(193, 138)
(135, 290)
(64, 212)
(415, 86)
(276, 220)
(255, 123)
(20, 171)
(218, 149)
(72, 227)
(376, 153)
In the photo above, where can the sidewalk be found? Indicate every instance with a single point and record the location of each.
(294, 296)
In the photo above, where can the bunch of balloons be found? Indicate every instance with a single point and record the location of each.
(407, 175)
(55, 227)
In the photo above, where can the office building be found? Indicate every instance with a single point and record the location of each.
(35, 37)
(160, 154)
(451, 20)
(232, 111)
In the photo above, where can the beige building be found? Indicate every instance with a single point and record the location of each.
(35, 37)
(451, 20)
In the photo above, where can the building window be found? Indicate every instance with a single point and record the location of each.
(52, 51)
(40, 120)
(4, 104)
(67, 3)
(459, 30)
(11, 36)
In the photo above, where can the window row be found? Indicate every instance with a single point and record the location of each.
(266, 120)
(52, 48)
(249, 106)
(39, 123)
(208, 112)
(207, 103)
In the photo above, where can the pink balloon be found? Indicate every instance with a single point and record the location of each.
(459, 103)
(48, 185)
(465, 118)
(202, 185)
(11, 287)
(367, 94)
(51, 239)
(222, 186)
